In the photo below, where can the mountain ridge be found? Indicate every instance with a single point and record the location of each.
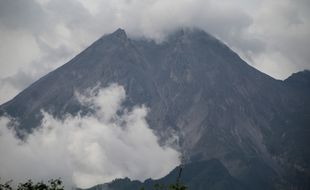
(209, 174)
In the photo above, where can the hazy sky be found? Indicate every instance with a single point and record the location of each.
(39, 35)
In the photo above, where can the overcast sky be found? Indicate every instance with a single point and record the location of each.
(36, 36)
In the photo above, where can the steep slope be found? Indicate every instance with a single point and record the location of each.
(196, 87)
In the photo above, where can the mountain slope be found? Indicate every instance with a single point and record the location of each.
(211, 175)
(196, 87)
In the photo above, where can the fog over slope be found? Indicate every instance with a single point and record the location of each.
(85, 150)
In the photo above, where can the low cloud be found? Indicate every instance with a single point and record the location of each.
(112, 142)
(40, 35)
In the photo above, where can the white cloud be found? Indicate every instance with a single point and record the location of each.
(18, 51)
(283, 26)
(7, 91)
(52, 32)
(274, 62)
(88, 150)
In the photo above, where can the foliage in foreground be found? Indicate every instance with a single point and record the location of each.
(53, 184)
(176, 186)
(57, 185)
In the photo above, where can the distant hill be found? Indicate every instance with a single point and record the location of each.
(211, 175)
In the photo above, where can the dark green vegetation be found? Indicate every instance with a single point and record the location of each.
(54, 184)
(198, 88)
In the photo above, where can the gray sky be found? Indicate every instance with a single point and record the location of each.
(39, 35)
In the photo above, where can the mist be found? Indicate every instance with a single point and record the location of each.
(85, 150)
(40, 35)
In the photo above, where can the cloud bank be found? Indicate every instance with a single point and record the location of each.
(40, 35)
(112, 142)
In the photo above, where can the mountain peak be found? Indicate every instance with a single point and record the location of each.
(187, 32)
(120, 33)
(118, 37)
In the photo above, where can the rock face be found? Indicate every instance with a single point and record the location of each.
(197, 87)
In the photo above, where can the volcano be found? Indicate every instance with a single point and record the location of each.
(196, 87)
